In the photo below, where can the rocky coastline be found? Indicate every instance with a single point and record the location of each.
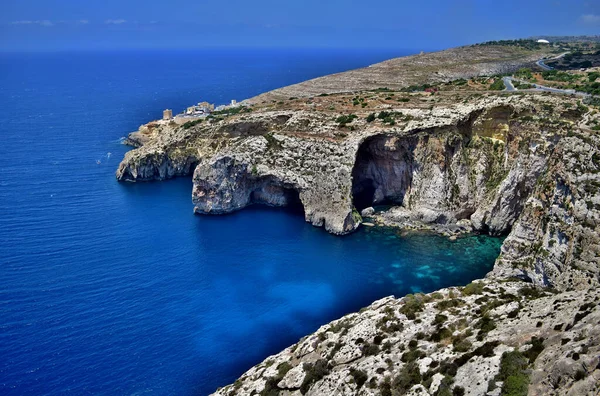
(523, 166)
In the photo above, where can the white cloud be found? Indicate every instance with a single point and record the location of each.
(115, 21)
(591, 19)
(82, 22)
(45, 23)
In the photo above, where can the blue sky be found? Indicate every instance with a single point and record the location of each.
(394, 24)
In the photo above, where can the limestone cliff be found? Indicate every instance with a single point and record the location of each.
(524, 165)
(483, 339)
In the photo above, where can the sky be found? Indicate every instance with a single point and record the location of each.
(56, 25)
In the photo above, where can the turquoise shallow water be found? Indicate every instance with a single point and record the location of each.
(118, 289)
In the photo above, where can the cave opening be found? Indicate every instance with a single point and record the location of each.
(273, 194)
(293, 202)
(382, 172)
(363, 193)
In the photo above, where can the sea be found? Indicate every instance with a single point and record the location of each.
(110, 288)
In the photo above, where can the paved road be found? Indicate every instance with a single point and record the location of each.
(537, 87)
(508, 81)
(544, 66)
(508, 84)
(541, 64)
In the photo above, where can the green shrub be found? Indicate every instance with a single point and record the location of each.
(416, 88)
(487, 349)
(537, 346)
(370, 349)
(497, 85)
(390, 324)
(190, 124)
(271, 388)
(413, 303)
(360, 377)
(389, 120)
(339, 326)
(412, 355)
(406, 379)
(446, 304)
(440, 319)
(345, 119)
(462, 345)
(385, 389)
(314, 373)
(512, 363)
(532, 293)
(445, 386)
(234, 110)
(486, 324)
(439, 334)
(473, 288)
(383, 115)
(448, 368)
(524, 73)
(513, 366)
(371, 117)
(516, 385)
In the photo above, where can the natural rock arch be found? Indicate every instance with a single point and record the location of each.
(228, 185)
(382, 172)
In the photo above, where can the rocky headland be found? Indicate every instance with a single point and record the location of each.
(453, 156)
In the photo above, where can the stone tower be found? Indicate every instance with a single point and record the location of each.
(167, 114)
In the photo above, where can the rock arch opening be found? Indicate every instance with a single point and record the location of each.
(270, 192)
(382, 172)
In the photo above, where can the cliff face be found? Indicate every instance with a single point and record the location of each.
(164, 152)
(556, 240)
(523, 166)
(274, 168)
(483, 339)
(438, 170)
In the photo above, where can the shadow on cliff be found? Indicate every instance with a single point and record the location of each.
(381, 176)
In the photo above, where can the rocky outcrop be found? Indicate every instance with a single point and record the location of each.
(157, 166)
(483, 339)
(503, 165)
(230, 186)
(556, 241)
(479, 340)
(167, 152)
(271, 168)
(438, 170)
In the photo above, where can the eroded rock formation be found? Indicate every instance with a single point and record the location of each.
(508, 165)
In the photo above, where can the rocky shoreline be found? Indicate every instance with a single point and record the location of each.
(398, 218)
(488, 338)
(523, 166)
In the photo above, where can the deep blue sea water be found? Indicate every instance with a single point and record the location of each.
(118, 289)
